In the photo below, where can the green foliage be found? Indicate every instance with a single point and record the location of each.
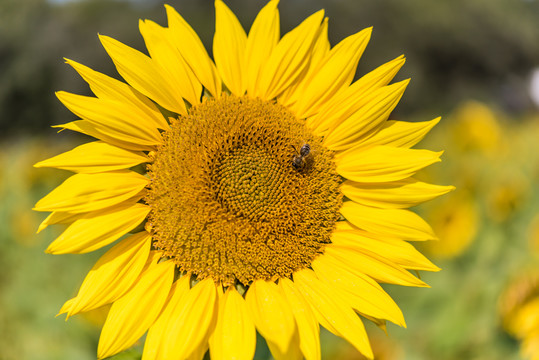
(455, 49)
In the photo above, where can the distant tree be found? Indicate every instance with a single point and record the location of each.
(456, 49)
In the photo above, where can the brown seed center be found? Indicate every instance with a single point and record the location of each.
(234, 199)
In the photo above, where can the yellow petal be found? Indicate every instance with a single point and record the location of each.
(308, 329)
(372, 111)
(399, 194)
(288, 59)
(526, 318)
(348, 226)
(67, 306)
(144, 75)
(292, 353)
(331, 309)
(398, 251)
(384, 163)
(234, 336)
(377, 78)
(192, 50)
(229, 44)
(102, 132)
(262, 39)
(395, 223)
(131, 315)
(58, 217)
(166, 56)
(95, 157)
(105, 87)
(90, 192)
(318, 56)
(401, 134)
(123, 121)
(272, 314)
(382, 324)
(98, 229)
(320, 49)
(530, 345)
(336, 73)
(157, 335)
(113, 274)
(375, 266)
(363, 293)
(199, 352)
(193, 317)
(346, 103)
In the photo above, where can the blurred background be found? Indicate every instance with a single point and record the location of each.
(474, 62)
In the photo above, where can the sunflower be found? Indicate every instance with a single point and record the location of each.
(456, 221)
(518, 307)
(262, 191)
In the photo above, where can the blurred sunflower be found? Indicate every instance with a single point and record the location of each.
(273, 194)
(477, 128)
(456, 221)
(519, 310)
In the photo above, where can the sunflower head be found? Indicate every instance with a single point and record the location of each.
(518, 308)
(228, 201)
(261, 191)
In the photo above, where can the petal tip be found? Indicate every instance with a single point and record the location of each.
(50, 250)
(405, 82)
(320, 14)
(60, 313)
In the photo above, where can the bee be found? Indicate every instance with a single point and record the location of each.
(300, 158)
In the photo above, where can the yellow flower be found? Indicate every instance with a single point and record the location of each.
(519, 309)
(456, 222)
(507, 193)
(477, 128)
(273, 198)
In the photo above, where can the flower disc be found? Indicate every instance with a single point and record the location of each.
(233, 198)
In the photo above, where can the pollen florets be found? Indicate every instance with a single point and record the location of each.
(227, 201)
